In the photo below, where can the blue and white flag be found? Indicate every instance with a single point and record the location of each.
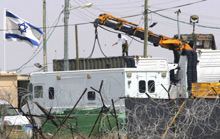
(17, 29)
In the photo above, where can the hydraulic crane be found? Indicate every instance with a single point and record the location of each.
(132, 29)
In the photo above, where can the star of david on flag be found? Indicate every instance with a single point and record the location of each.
(17, 29)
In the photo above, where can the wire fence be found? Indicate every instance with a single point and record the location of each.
(142, 118)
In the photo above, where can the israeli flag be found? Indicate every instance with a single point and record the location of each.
(17, 29)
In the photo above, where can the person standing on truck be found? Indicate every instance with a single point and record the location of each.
(124, 42)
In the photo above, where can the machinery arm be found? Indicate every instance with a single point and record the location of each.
(133, 29)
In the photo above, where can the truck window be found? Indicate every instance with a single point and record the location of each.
(38, 91)
(91, 95)
(142, 86)
(151, 86)
(51, 93)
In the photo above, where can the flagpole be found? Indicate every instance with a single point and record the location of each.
(4, 68)
(4, 48)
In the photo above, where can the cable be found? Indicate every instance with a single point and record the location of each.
(96, 38)
(179, 6)
(92, 48)
(85, 10)
(82, 15)
(130, 7)
(186, 22)
(100, 45)
(121, 3)
(212, 23)
(56, 26)
(167, 8)
(203, 26)
(165, 2)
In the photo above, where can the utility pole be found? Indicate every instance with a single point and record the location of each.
(44, 37)
(145, 28)
(178, 26)
(66, 18)
(77, 48)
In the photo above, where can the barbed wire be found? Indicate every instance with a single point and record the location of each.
(143, 117)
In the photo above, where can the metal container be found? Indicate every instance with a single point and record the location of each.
(95, 63)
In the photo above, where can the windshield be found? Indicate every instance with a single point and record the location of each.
(7, 110)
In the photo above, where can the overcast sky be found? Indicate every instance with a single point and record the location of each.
(18, 53)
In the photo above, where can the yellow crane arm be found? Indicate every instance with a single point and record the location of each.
(133, 29)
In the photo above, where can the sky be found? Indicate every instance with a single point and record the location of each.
(18, 53)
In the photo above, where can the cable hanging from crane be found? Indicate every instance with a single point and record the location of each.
(96, 38)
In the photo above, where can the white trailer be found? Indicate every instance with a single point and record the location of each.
(151, 77)
(61, 90)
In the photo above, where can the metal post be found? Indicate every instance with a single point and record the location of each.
(77, 49)
(66, 18)
(44, 37)
(145, 28)
(178, 26)
(193, 28)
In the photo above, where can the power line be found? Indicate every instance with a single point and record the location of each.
(130, 7)
(85, 9)
(212, 23)
(168, 2)
(179, 6)
(81, 15)
(167, 8)
(203, 26)
(141, 1)
(56, 26)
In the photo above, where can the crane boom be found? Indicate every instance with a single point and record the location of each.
(133, 29)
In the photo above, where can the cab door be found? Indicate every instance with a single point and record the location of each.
(151, 84)
(141, 84)
(146, 84)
